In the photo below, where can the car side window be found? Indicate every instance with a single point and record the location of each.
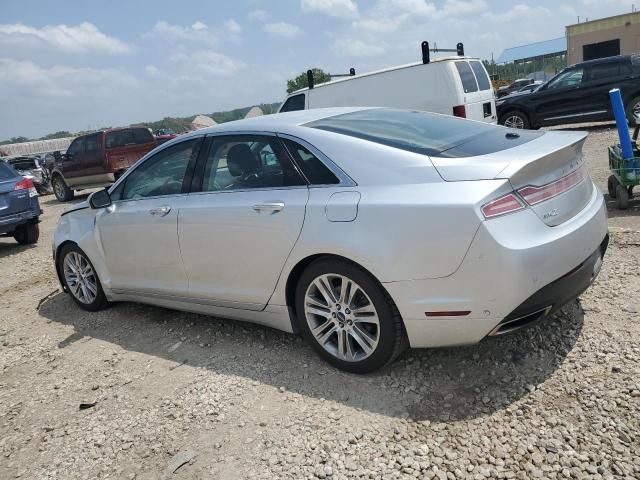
(294, 103)
(76, 147)
(604, 71)
(569, 78)
(91, 144)
(240, 162)
(469, 83)
(315, 170)
(162, 174)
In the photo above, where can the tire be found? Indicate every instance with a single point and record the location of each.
(27, 234)
(633, 104)
(60, 189)
(86, 298)
(515, 119)
(622, 197)
(612, 183)
(630, 191)
(367, 345)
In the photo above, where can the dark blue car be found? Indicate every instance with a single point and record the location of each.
(19, 206)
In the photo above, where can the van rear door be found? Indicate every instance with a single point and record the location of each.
(479, 103)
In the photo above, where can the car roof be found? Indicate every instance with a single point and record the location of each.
(277, 122)
(616, 58)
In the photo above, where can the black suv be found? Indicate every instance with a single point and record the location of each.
(577, 94)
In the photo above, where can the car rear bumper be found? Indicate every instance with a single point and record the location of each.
(10, 222)
(515, 266)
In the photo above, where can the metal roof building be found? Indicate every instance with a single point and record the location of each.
(534, 51)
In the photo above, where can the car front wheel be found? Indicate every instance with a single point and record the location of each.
(347, 317)
(80, 279)
(515, 119)
(60, 189)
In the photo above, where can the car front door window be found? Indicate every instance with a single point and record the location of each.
(568, 79)
(163, 174)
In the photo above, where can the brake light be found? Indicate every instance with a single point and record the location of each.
(26, 184)
(506, 204)
(460, 111)
(534, 195)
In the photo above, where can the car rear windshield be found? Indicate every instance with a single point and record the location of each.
(425, 133)
(481, 75)
(6, 172)
(130, 136)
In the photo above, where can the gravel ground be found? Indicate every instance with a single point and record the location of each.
(235, 401)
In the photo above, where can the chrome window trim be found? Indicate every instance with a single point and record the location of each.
(344, 179)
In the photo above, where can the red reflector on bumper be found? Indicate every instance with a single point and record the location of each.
(454, 313)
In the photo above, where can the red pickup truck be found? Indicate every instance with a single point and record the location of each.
(98, 159)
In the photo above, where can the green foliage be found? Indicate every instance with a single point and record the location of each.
(513, 71)
(319, 76)
(15, 140)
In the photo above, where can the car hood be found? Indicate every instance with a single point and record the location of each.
(518, 95)
(76, 207)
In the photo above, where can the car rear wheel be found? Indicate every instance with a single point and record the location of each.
(632, 107)
(27, 234)
(515, 119)
(60, 189)
(80, 279)
(347, 317)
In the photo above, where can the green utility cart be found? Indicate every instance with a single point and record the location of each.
(625, 174)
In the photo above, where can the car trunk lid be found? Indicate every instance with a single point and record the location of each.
(547, 171)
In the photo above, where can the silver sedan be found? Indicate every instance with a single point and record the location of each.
(363, 229)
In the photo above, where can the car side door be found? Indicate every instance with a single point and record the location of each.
(560, 100)
(242, 220)
(139, 231)
(72, 162)
(599, 79)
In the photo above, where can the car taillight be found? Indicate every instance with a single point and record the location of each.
(460, 111)
(26, 184)
(506, 204)
(534, 195)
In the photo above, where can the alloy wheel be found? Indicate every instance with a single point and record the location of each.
(80, 277)
(342, 317)
(514, 121)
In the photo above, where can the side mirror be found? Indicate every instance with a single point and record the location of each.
(100, 199)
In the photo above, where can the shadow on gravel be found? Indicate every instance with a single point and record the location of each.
(9, 247)
(438, 384)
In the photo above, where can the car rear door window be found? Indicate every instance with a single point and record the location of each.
(605, 71)
(162, 174)
(241, 162)
(481, 75)
(467, 77)
(314, 169)
(294, 103)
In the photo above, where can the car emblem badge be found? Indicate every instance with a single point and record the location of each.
(552, 213)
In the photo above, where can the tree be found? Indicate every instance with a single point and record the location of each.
(319, 76)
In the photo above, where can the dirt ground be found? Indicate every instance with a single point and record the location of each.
(560, 400)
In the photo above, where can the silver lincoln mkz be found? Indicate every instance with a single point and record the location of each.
(361, 228)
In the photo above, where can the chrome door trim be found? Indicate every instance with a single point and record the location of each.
(255, 307)
(576, 115)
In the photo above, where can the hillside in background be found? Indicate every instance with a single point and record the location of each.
(178, 124)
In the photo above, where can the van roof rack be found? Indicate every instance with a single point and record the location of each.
(426, 58)
(310, 81)
(426, 51)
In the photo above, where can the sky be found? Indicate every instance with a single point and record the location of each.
(85, 64)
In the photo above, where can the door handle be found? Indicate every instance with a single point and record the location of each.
(268, 207)
(160, 211)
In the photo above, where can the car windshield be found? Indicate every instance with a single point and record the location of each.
(421, 132)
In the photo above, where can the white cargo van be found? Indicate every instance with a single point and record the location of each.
(458, 86)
